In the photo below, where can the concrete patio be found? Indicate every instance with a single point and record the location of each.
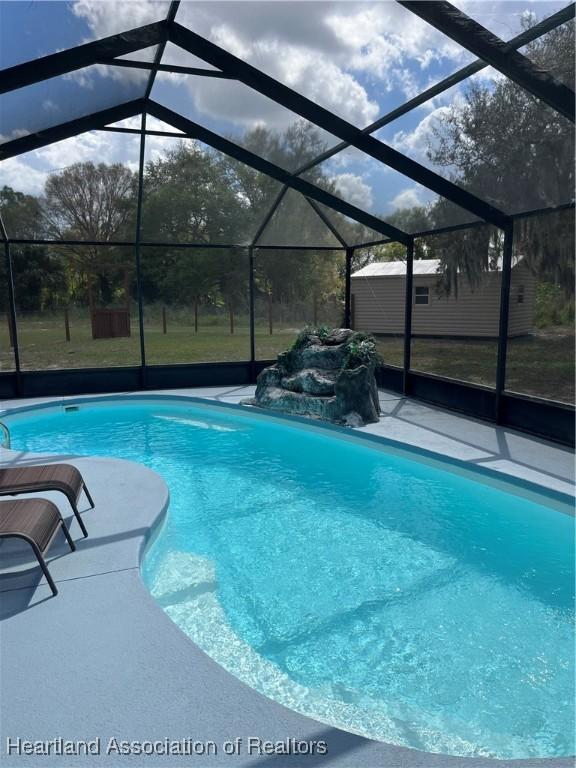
(103, 661)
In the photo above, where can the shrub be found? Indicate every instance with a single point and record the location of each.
(361, 350)
(552, 307)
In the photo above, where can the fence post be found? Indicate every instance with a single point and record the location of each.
(164, 320)
(67, 324)
(231, 315)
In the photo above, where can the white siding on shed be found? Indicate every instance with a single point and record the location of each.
(378, 301)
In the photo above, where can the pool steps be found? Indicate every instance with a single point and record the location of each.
(4, 436)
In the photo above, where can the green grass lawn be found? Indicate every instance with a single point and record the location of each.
(42, 344)
(541, 365)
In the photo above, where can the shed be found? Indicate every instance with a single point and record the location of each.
(378, 292)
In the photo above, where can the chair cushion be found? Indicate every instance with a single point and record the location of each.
(37, 519)
(58, 477)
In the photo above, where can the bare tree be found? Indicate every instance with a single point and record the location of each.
(96, 203)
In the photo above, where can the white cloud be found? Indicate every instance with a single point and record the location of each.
(488, 76)
(384, 39)
(28, 173)
(16, 172)
(86, 77)
(152, 124)
(504, 18)
(49, 106)
(415, 143)
(351, 157)
(17, 133)
(302, 69)
(235, 103)
(226, 37)
(353, 189)
(290, 41)
(407, 198)
(321, 49)
(324, 82)
(89, 77)
(95, 146)
(110, 18)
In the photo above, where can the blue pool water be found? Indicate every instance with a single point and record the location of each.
(364, 587)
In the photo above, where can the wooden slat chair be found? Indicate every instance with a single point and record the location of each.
(36, 521)
(46, 477)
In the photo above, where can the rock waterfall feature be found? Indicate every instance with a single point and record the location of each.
(327, 374)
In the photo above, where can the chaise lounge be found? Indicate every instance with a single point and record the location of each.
(46, 477)
(36, 521)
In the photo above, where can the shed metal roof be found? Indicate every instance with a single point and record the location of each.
(421, 267)
(398, 268)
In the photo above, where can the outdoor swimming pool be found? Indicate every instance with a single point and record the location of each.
(366, 587)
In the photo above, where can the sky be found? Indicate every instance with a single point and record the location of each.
(358, 59)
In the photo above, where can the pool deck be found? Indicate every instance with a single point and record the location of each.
(103, 660)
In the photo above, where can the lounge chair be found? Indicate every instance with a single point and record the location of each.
(46, 477)
(37, 521)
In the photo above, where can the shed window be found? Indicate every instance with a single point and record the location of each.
(421, 295)
(520, 296)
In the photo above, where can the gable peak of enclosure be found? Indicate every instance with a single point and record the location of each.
(298, 136)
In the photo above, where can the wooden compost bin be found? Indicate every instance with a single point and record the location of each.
(110, 323)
